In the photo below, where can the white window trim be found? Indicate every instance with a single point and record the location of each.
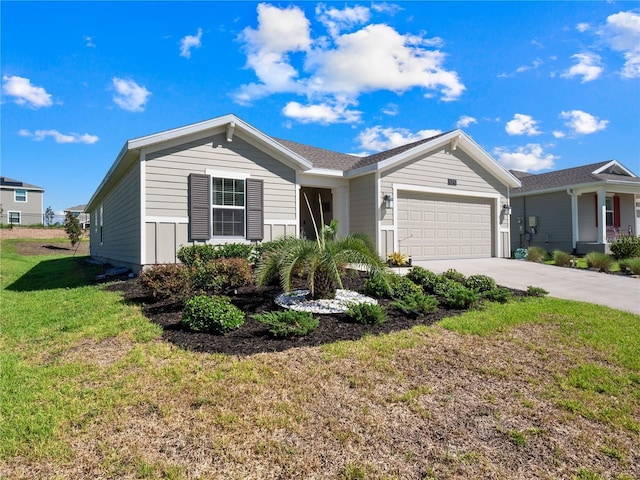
(9, 217)
(15, 195)
(233, 175)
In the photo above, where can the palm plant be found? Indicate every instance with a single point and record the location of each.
(322, 260)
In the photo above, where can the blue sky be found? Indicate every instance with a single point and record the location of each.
(539, 85)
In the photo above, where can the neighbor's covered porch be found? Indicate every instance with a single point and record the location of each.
(601, 216)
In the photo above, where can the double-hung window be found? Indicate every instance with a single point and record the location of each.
(14, 218)
(228, 198)
(20, 195)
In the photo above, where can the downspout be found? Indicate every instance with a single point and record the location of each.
(574, 219)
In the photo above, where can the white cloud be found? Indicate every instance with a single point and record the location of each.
(533, 66)
(321, 113)
(558, 134)
(89, 41)
(464, 121)
(374, 57)
(189, 42)
(588, 66)
(388, 8)
(529, 158)
(336, 20)
(522, 125)
(24, 93)
(40, 135)
(378, 138)
(622, 34)
(583, 27)
(582, 122)
(129, 95)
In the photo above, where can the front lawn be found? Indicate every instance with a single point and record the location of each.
(534, 388)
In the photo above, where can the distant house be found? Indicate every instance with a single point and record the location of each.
(222, 180)
(79, 212)
(21, 203)
(580, 209)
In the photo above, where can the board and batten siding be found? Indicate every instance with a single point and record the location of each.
(166, 189)
(120, 222)
(362, 206)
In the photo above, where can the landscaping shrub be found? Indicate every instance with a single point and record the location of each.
(422, 276)
(417, 303)
(536, 291)
(480, 283)
(459, 296)
(402, 287)
(625, 246)
(561, 259)
(191, 254)
(631, 265)
(498, 294)
(598, 260)
(454, 275)
(397, 259)
(220, 275)
(203, 313)
(536, 254)
(366, 313)
(288, 323)
(443, 285)
(167, 282)
(378, 285)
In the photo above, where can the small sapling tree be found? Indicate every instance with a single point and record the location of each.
(72, 227)
(48, 216)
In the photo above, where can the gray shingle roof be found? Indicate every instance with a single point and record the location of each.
(322, 158)
(10, 182)
(567, 178)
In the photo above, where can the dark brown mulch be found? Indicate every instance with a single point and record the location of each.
(253, 336)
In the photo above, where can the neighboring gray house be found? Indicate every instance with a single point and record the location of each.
(580, 209)
(79, 212)
(21, 203)
(222, 180)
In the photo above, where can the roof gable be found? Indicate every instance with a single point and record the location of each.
(11, 183)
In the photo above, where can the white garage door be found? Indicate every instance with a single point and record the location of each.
(440, 226)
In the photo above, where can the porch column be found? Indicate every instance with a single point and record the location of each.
(602, 216)
(341, 209)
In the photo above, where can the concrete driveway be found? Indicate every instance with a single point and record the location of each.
(620, 292)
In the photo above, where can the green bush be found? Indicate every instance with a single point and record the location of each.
(167, 282)
(443, 285)
(417, 303)
(191, 254)
(536, 254)
(599, 260)
(453, 274)
(422, 276)
(498, 294)
(536, 291)
(378, 285)
(625, 246)
(631, 265)
(459, 296)
(480, 283)
(288, 323)
(211, 314)
(561, 259)
(402, 287)
(366, 313)
(220, 275)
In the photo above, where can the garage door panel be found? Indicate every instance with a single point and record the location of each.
(444, 226)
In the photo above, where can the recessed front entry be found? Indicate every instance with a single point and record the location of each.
(321, 202)
(441, 226)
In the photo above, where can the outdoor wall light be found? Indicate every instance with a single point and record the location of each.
(506, 208)
(388, 201)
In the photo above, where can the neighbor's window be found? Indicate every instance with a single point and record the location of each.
(14, 217)
(20, 195)
(228, 197)
(609, 211)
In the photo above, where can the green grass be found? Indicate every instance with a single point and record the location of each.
(60, 378)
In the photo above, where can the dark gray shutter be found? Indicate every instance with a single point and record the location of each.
(199, 206)
(255, 212)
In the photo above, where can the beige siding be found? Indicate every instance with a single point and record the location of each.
(434, 170)
(362, 207)
(120, 243)
(30, 211)
(163, 240)
(167, 171)
(386, 246)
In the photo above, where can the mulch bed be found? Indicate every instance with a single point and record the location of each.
(253, 337)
